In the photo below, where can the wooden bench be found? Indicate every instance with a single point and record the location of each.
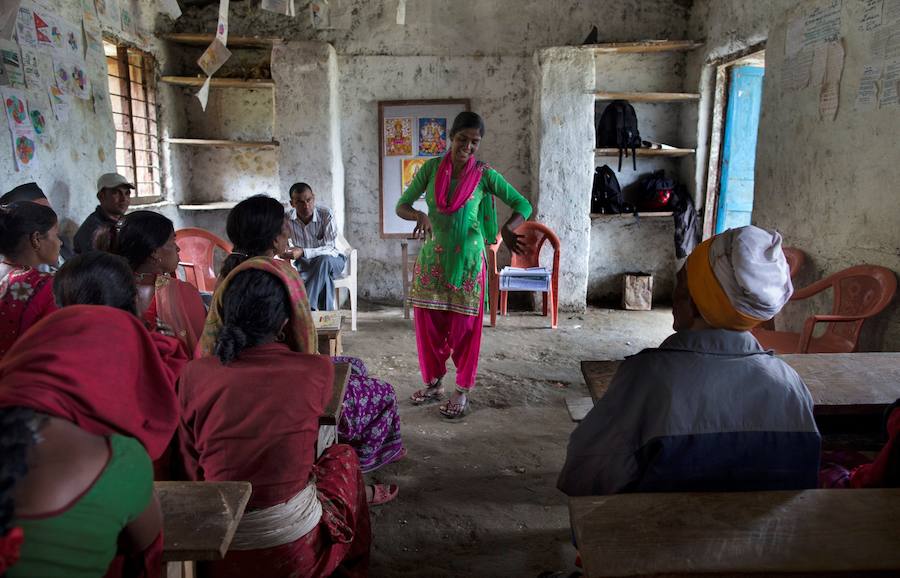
(328, 331)
(840, 383)
(783, 533)
(329, 420)
(199, 519)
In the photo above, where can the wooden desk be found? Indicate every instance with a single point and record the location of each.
(328, 420)
(785, 533)
(840, 383)
(328, 330)
(200, 518)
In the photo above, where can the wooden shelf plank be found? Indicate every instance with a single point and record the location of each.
(608, 152)
(645, 46)
(648, 96)
(198, 81)
(214, 206)
(194, 39)
(270, 144)
(641, 215)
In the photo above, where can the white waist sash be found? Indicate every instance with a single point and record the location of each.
(279, 524)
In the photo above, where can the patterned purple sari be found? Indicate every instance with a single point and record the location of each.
(369, 419)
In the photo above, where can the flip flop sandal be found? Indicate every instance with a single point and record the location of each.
(452, 410)
(428, 394)
(383, 493)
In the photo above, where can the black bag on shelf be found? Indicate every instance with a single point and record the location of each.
(687, 223)
(618, 128)
(606, 194)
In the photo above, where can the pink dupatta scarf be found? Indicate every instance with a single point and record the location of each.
(180, 306)
(468, 180)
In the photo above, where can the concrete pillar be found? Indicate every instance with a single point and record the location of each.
(307, 121)
(563, 160)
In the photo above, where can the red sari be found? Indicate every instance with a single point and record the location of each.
(178, 305)
(26, 297)
(63, 367)
(257, 419)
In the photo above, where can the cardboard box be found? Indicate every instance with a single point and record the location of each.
(637, 291)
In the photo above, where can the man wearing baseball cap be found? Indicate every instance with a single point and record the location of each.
(709, 409)
(114, 194)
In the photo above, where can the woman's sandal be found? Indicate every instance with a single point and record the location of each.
(428, 393)
(451, 410)
(383, 493)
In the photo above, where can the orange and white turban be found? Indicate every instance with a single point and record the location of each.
(739, 278)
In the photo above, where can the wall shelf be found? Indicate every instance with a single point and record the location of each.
(213, 206)
(197, 81)
(270, 144)
(613, 152)
(645, 46)
(648, 96)
(193, 39)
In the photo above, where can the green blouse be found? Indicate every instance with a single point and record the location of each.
(458, 242)
(81, 541)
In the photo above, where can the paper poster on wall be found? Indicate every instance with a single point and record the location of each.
(409, 170)
(222, 24)
(72, 41)
(25, 26)
(432, 137)
(203, 94)
(870, 12)
(31, 66)
(171, 8)
(795, 71)
(126, 14)
(43, 30)
(12, 63)
(38, 121)
(59, 102)
(21, 129)
(108, 13)
(89, 12)
(320, 15)
(79, 80)
(93, 43)
(398, 137)
(823, 23)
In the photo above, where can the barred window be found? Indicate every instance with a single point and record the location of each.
(132, 94)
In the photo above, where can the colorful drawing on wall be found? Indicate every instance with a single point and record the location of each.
(25, 27)
(61, 76)
(16, 109)
(432, 137)
(11, 62)
(410, 168)
(108, 13)
(25, 151)
(42, 30)
(79, 82)
(20, 128)
(59, 101)
(398, 137)
(38, 122)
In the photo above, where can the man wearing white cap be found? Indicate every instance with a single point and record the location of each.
(114, 194)
(709, 409)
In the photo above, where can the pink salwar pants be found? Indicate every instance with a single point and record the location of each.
(444, 334)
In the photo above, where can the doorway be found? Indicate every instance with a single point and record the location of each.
(738, 98)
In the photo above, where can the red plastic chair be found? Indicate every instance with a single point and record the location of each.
(860, 292)
(197, 247)
(535, 235)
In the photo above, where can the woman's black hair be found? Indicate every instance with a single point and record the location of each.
(252, 226)
(466, 120)
(18, 221)
(96, 278)
(141, 233)
(18, 429)
(254, 308)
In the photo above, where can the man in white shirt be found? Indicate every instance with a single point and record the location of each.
(313, 251)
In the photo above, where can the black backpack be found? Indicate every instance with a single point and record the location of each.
(618, 128)
(658, 192)
(606, 194)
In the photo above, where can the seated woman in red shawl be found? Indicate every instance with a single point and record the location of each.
(250, 411)
(76, 481)
(369, 422)
(854, 470)
(29, 236)
(147, 240)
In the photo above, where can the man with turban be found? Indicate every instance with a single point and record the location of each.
(709, 409)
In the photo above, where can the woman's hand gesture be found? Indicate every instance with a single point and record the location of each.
(512, 240)
(423, 226)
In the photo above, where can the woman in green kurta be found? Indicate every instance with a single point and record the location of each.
(448, 288)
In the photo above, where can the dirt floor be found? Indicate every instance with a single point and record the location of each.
(478, 495)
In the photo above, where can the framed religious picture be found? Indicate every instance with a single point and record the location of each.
(409, 133)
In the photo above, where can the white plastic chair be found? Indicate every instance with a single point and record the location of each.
(347, 278)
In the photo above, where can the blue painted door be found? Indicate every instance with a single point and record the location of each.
(739, 148)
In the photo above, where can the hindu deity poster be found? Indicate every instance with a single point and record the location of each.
(432, 137)
(410, 168)
(398, 137)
